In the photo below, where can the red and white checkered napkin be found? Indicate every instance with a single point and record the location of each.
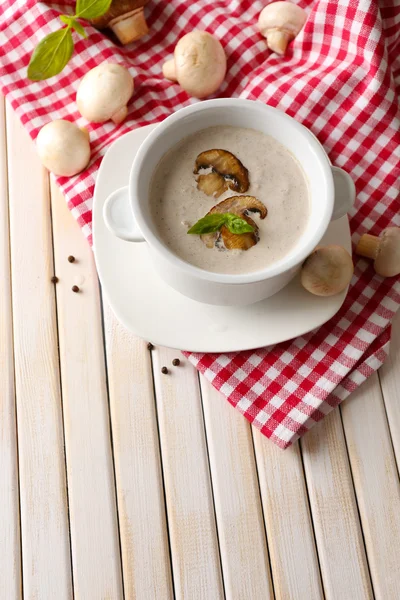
(339, 79)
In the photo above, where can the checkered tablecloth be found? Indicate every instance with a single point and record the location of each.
(340, 78)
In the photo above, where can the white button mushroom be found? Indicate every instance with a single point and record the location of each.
(63, 148)
(280, 22)
(199, 64)
(384, 250)
(327, 271)
(104, 93)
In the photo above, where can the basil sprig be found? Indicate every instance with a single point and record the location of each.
(74, 24)
(54, 51)
(214, 222)
(51, 55)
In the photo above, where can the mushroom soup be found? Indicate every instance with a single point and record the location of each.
(234, 171)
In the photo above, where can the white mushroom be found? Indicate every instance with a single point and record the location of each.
(327, 271)
(199, 64)
(384, 250)
(63, 148)
(280, 22)
(104, 93)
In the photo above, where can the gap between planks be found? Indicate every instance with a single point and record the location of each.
(376, 483)
(389, 376)
(334, 511)
(190, 510)
(144, 537)
(294, 558)
(10, 542)
(92, 501)
(239, 515)
(44, 511)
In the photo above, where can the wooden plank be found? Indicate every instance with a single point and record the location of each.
(294, 560)
(376, 483)
(44, 511)
(389, 376)
(334, 512)
(144, 537)
(193, 536)
(244, 553)
(93, 517)
(10, 552)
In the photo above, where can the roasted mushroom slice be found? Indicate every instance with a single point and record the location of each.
(241, 206)
(212, 184)
(227, 172)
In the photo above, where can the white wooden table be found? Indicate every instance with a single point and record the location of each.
(119, 482)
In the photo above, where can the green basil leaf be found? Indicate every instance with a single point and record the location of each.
(208, 224)
(91, 9)
(71, 22)
(51, 55)
(214, 222)
(237, 225)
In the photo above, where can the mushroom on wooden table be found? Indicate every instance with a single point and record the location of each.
(63, 147)
(279, 23)
(104, 93)
(199, 64)
(384, 250)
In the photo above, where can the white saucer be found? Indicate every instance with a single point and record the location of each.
(154, 311)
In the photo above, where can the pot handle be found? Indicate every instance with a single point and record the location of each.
(118, 217)
(345, 193)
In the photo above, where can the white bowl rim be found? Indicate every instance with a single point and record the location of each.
(242, 278)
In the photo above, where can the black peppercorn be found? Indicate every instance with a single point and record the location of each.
(176, 362)
(71, 259)
(54, 279)
(164, 370)
(75, 288)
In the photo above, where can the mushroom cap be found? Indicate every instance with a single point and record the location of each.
(63, 148)
(327, 271)
(103, 91)
(387, 262)
(282, 15)
(200, 63)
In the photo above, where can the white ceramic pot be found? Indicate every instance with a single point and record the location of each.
(127, 214)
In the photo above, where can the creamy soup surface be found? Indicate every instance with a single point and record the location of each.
(276, 179)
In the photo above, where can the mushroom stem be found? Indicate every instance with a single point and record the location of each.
(368, 246)
(85, 131)
(169, 70)
(278, 40)
(280, 22)
(131, 27)
(120, 115)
